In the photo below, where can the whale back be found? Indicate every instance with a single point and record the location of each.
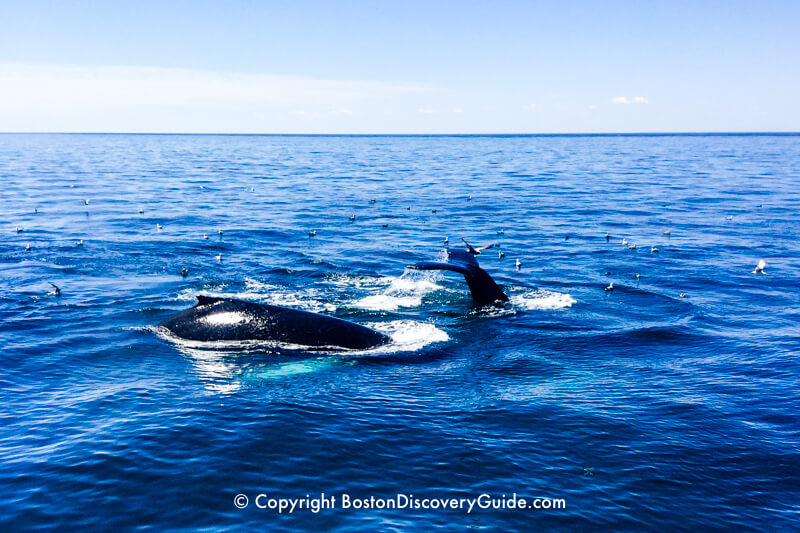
(227, 319)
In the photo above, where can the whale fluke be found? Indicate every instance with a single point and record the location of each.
(483, 288)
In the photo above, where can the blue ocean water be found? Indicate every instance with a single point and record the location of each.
(638, 407)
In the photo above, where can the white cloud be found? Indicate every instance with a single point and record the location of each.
(148, 99)
(529, 107)
(626, 100)
(457, 110)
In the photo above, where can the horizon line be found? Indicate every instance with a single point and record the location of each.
(564, 134)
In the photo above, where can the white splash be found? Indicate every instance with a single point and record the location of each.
(408, 335)
(405, 291)
(542, 300)
(384, 302)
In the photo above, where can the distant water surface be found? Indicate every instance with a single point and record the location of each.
(639, 407)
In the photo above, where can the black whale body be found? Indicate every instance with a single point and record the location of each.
(228, 319)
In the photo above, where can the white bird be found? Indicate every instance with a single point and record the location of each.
(518, 264)
(79, 243)
(446, 240)
(668, 233)
(729, 217)
(219, 258)
(632, 246)
(205, 237)
(637, 276)
(653, 250)
(19, 229)
(475, 251)
(501, 231)
(501, 255)
(372, 200)
(469, 198)
(608, 236)
(312, 233)
(352, 218)
(683, 295)
(86, 202)
(610, 287)
(28, 247)
(220, 232)
(159, 227)
(759, 267)
(624, 242)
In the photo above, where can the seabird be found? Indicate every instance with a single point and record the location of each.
(501, 255)
(501, 231)
(372, 200)
(473, 250)
(384, 225)
(219, 258)
(56, 290)
(683, 295)
(632, 246)
(220, 232)
(668, 233)
(36, 209)
(608, 236)
(433, 210)
(653, 250)
(610, 287)
(353, 217)
(20, 229)
(205, 237)
(312, 233)
(759, 267)
(518, 264)
(636, 276)
(446, 240)
(79, 243)
(184, 272)
(141, 211)
(729, 217)
(566, 237)
(469, 198)
(624, 242)
(86, 202)
(28, 247)
(159, 227)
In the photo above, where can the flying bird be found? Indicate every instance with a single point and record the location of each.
(473, 250)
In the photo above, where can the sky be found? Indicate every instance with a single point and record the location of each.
(400, 67)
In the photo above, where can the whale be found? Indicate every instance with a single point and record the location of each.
(483, 288)
(230, 319)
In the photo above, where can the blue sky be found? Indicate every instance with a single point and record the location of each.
(399, 67)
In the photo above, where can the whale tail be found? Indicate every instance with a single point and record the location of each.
(483, 288)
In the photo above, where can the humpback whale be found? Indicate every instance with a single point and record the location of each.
(483, 288)
(228, 319)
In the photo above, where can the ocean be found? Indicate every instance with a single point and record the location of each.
(670, 402)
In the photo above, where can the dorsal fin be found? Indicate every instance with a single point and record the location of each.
(207, 300)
